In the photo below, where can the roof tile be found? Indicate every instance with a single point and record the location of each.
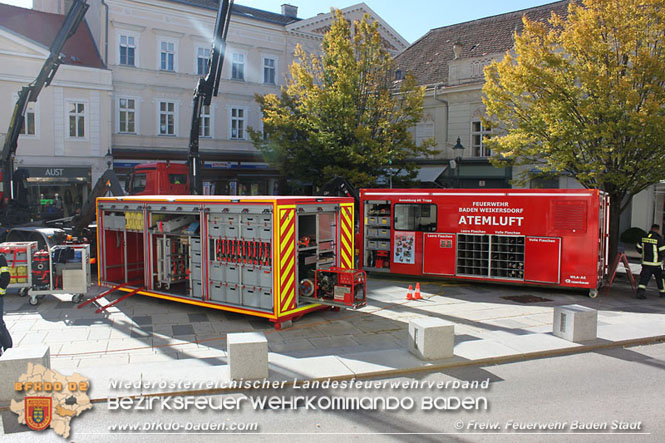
(428, 58)
(42, 27)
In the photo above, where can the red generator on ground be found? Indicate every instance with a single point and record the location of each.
(555, 237)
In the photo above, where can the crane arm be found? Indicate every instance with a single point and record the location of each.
(206, 88)
(30, 92)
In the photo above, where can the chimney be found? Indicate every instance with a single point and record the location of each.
(457, 50)
(290, 10)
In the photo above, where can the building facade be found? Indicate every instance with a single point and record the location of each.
(449, 63)
(66, 133)
(157, 50)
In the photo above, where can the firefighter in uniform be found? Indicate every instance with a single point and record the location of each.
(652, 248)
(5, 277)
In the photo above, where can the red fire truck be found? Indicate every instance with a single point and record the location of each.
(556, 237)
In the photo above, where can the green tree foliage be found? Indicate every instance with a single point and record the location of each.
(340, 113)
(584, 95)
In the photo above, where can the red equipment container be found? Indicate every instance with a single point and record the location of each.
(555, 237)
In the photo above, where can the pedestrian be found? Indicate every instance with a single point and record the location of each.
(5, 277)
(652, 248)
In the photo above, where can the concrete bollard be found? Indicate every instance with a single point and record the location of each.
(431, 338)
(575, 323)
(248, 355)
(14, 363)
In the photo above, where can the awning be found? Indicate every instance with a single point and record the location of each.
(429, 174)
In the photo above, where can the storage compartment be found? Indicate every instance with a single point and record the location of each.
(265, 233)
(217, 291)
(231, 231)
(114, 222)
(251, 297)
(265, 276)
(225, 257)
(232, 273)
(232, 294)
(266, 298)
(250, 275)
(217, 271)
(250, 232)
(197, 290)
(473, 254)
(508, 257)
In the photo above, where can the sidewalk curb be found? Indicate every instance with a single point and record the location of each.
(431, 368)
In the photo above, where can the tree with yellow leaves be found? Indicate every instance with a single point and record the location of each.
(340, 113)
(584, 95)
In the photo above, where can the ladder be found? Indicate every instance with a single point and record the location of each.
(623, 259)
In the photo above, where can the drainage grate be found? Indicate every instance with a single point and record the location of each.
(526, 299)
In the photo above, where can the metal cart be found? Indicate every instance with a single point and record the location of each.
(61, 269)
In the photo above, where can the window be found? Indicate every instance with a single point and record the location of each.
(269, 70)
(127, 115)
(544, 182)
(238, 66)
(415, 217)
(29, 122)
(166, 118)
(237, 123)
(204, 127)
(76, 119)
(127, 50)
(202, 60)
(178, 179)
(167, 55)
(479, 135)
(138, 183)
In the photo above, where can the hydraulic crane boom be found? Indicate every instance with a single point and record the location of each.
(206, 88)
(30, 93)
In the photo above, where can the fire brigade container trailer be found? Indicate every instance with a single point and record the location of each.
(271, 257)
(556, 237)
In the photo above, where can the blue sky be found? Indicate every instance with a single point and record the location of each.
(411, 18)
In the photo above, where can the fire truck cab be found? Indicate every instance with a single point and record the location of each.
(161, 178)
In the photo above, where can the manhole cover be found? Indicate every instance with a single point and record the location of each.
(526, 299)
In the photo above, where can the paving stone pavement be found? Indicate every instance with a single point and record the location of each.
(142, 329)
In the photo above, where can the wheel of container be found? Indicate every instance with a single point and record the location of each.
(76, 299)
(34, 301)
(593, 293)
(23, 292)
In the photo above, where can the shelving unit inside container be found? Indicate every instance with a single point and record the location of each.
(317, 244)
(494, 256)
(378, 219)
(507, 257)
(473, 254)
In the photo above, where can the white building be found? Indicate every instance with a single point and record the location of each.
(157, 51)
(66, 132)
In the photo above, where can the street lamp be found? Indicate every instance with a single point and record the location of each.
(458, 149)
(109, 158)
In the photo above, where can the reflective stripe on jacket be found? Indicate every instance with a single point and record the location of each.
(652, 248)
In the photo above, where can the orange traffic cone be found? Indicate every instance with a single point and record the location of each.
(417, 296)
(408, 293)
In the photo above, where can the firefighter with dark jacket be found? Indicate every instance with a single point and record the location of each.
(652, 248)
(5, 277)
